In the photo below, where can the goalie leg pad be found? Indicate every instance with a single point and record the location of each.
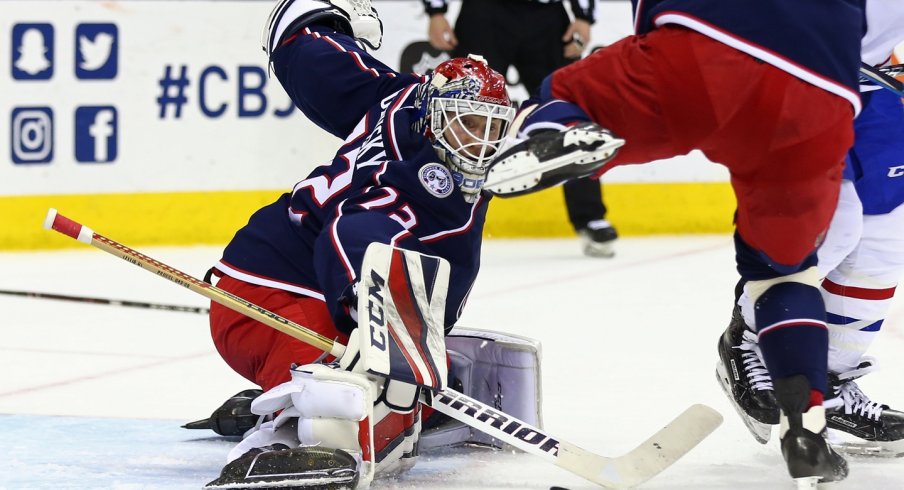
(496, 368)
(400, 311)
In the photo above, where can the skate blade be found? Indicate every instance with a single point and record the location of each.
(600, 250)
(865, 449)
(807, 483)
(760, 431)
(522, 171)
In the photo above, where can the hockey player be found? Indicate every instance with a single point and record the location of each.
(767, 88)
(377, 249)
(861, 261)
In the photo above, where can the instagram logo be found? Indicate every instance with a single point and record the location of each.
(32, 135)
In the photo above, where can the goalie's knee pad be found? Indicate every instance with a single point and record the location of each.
(498, 369)
(357, 18)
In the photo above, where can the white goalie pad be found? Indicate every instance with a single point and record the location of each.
(320, 406)
(401, 307)
(499, 369)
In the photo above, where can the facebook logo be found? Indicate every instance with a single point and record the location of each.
(96, 53)
(32, 56)
(31, 138)
(95, 134)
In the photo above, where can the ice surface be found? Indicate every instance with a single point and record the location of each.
(94, 395)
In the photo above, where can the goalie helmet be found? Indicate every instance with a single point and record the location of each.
(468, 111)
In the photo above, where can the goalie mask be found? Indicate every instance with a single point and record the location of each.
(468, 113)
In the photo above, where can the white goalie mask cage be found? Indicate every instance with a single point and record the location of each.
(467, 101)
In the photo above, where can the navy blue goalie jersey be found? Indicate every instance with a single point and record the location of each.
(386, 184)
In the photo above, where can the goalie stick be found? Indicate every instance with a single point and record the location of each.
(883, 77)
(107, 301)
(637, 466)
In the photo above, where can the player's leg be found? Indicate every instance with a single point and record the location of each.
(787, 192)
(257, 352)
(539, 50)
(641, 88)
(742, 374)
(559, 135)
(479, 32)
(540, 54)
(858, 294)
(587, 214)
(859, 287)
(741, 369)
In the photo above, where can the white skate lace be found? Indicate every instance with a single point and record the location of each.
(754, 366)
(855, 401)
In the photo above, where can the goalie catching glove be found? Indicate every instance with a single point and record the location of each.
(536, 159)
(363, 408)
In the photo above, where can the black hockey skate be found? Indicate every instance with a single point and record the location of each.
(547, 158)
(808, 455)
(598, 239)
(232, 418)
(859, 426)
(278, 467)
(743, 377)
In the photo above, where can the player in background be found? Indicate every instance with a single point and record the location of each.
(377, 249)
(768, 88)
(861, 261)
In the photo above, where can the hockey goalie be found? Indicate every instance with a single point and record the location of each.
(377, 249)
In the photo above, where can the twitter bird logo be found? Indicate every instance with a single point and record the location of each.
(98, 51)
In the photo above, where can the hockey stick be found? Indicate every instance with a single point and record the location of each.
(107, 301)
(893, 70)
(884, 77)
(644, 462)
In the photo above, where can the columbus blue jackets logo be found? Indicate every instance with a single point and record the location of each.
(463, 88)
(436, 179)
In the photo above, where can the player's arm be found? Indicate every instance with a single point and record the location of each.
(439, 32)
(324, 70)
(577, 36)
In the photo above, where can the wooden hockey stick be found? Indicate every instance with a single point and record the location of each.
(639, 465)
(883, 77)
(107, 301)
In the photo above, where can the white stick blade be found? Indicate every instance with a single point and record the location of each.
(647, 460)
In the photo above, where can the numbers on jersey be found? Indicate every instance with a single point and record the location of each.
(403, 215)
(323, 187)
